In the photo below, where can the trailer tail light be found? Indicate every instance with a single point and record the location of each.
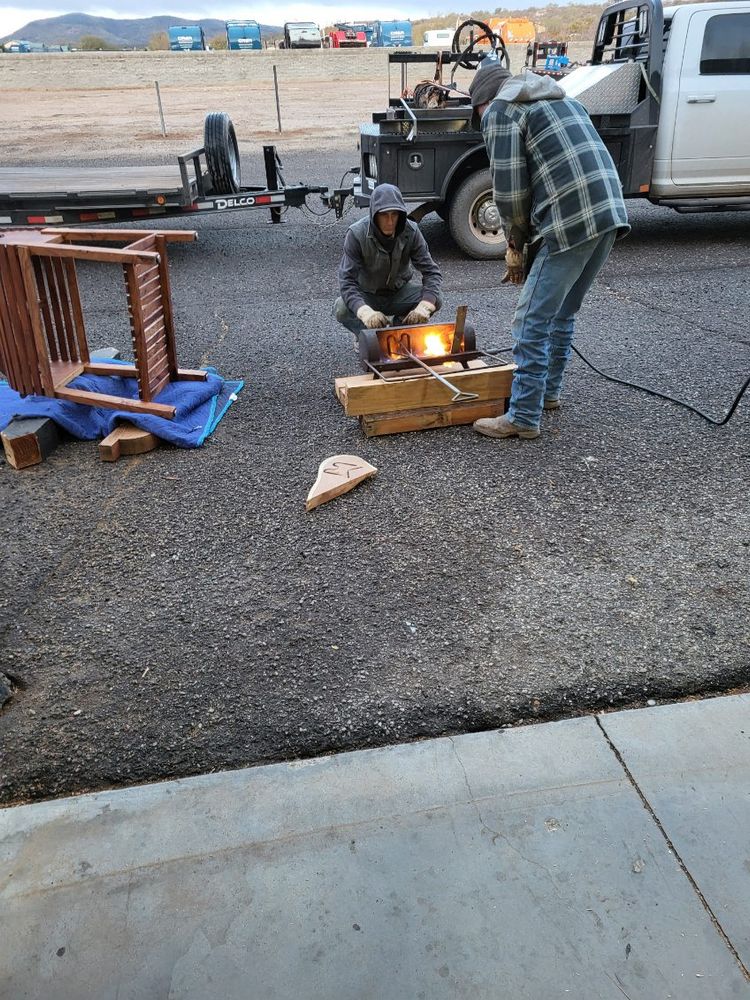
(371, 167)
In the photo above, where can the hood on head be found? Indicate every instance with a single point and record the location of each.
(387, 198)
(528, 86)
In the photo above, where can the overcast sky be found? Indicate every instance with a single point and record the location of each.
(13, 18)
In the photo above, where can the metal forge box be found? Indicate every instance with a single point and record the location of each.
(425, 376)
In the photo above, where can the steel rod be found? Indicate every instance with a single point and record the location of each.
(459, 396)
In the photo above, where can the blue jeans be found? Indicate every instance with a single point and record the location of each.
(544, 322)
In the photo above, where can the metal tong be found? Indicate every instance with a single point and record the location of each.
(458, 395)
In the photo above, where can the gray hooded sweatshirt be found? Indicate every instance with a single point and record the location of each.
(374, 264)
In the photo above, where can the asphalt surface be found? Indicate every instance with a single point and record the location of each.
(179, 612)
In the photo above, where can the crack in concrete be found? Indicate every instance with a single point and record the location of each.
(496, 834)
(670, 844)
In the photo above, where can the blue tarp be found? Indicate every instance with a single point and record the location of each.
(200, 407)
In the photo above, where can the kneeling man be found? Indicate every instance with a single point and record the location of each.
(376, 274)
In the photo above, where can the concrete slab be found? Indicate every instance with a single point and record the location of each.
(692, 762)
(516, 864)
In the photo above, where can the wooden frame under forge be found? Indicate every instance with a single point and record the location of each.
(43, 343)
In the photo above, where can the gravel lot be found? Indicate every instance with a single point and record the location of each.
(179, 612)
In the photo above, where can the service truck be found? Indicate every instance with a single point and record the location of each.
(186, 38)
(301, 35)
(512, 30)
(345, 36)
(667, 89)
(392, 34)
(243, 36)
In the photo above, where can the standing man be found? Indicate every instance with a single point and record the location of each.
(376, 270)
(555, 184)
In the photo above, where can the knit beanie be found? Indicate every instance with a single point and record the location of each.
(488, 79)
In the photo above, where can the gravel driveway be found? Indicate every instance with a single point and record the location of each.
(179, 612)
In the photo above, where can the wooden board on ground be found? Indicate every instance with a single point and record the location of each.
(336, 475)
(363, 395)
(29, 441)
(431, 417)
(127, 439)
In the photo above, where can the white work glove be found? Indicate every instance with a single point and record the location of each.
(420, 313)
(514, 267)
(371, 318)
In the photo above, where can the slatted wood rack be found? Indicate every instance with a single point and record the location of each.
(43, 344)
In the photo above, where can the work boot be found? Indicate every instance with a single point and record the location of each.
(501, 427)
(552, 403)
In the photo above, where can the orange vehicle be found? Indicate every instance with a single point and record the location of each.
(512, 30)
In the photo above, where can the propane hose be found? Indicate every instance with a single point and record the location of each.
(653, 392)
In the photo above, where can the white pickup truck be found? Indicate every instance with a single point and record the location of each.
(669, 92)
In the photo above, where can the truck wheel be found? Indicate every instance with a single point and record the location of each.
(474, 220)
(222, 153)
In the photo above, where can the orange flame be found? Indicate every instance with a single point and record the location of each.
(433, 346)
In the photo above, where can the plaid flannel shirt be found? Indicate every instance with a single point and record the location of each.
(551, 173)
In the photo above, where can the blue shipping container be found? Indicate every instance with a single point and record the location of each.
(186, 38)
(243, 36)
(392, 34)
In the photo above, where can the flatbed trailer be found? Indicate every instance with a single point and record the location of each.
(34, 196)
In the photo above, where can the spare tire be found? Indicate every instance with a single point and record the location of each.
(222, 153)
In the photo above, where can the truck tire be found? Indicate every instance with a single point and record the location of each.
(473, 218)
(222, 153)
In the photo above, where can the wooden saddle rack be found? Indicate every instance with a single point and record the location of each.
(43, 342)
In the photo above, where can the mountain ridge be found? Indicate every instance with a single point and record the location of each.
(125, 33)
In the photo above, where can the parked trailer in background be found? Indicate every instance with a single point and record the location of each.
(186, 38)
(243, 36)
(392, 34)
(302, 35)
(440, 38)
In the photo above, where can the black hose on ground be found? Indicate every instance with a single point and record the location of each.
(654, 392)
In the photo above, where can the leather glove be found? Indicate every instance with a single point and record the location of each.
(371, 318)
(514, 267)
(420, 313)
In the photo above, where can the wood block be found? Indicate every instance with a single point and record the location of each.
(29, 441)
(341, 385)
(126, 439)
(336, 475)
(431, 417)
(374, 396)
(116, 402)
